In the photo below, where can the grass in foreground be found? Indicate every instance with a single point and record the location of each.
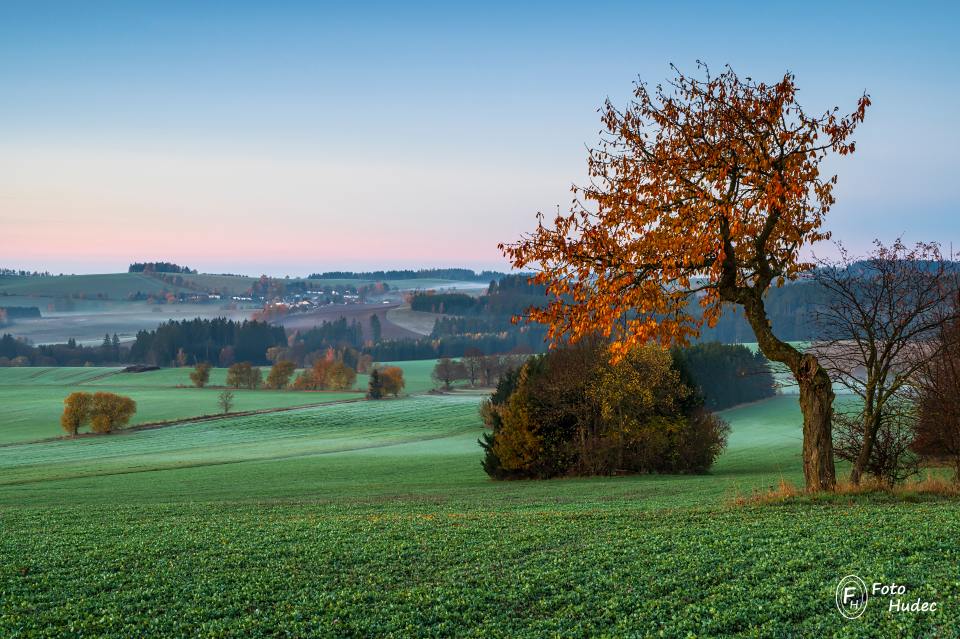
(933, 486)
(411, 539)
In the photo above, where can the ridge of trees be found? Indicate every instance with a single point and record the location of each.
(160, 267)
(207, 340)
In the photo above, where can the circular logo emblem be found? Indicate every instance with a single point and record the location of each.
(851, 596)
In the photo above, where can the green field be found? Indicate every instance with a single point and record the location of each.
(375, 519)
(115, 286)
(112, 285)
(33, 397)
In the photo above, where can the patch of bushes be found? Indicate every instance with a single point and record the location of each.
(280, 374)
(385, 380)
(103, 411)
(244, 375)
(326, 374)
(572, 412)
(453, 303)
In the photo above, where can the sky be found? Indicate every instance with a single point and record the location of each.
(295, 137)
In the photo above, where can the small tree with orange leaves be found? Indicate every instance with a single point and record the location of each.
(392, 379)
(76, 412)
(701, 191)
(109, 411)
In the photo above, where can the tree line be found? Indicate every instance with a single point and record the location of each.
(484, 323)
(475, 368)
(722, 375)
(328, 373)
(160, 267)
(523, 339)
(19, 312)
(19, 272)
(725, 375)
(181, 342)
(16, 352)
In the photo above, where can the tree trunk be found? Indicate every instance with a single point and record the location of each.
(870, 427)
(816, 398)
(816, 404)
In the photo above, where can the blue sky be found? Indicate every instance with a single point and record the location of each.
(288, 137)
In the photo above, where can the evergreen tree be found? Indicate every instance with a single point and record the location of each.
(375, 387)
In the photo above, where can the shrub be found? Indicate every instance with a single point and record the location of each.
(392, 378)
(340, 377)
(225, 400)
(200, 374)
(326, 374)
(109, 411)
(244, 375)
(280, 374)
(892, 460)
(448, 371)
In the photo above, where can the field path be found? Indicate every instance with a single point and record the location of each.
(100, 376)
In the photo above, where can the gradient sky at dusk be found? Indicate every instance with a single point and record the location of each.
(288, 137)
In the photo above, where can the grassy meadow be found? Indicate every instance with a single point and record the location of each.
(33, 397)
(375, 519)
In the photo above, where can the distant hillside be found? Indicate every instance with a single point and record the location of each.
(143, 285)
(790, 309)
(102, 286)
(453, 274)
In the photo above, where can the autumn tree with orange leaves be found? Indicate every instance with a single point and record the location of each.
(702, 191)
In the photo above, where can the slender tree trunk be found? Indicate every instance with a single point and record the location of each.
(870, 427)
(816, 398)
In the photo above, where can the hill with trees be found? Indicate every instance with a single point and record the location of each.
(454, 274)
(159, 267)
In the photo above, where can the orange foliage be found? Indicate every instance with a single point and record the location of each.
(104, 411)
(109, 411)
(703, 189)
(392, 379)
(76, 411)
(326, 374)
